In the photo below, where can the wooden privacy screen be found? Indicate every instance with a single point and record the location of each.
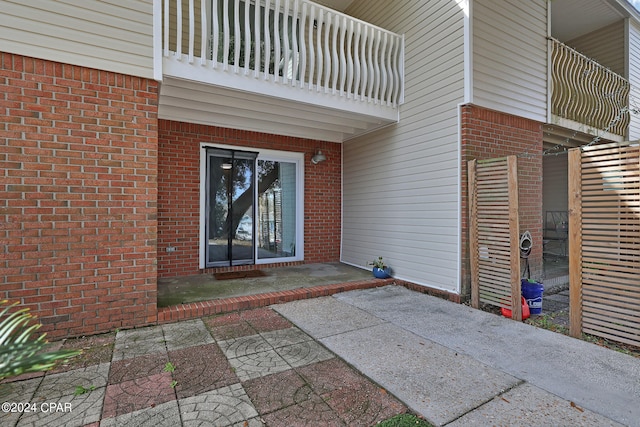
(493, 234)
(604, 242)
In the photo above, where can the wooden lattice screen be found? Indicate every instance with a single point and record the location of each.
(604, 242)
(493, 234)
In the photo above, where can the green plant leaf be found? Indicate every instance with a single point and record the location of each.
(20, 352)
(82, 390)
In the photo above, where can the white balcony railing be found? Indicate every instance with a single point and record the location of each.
(288, 42)
(586, 92)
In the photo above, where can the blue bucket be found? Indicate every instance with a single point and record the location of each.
(532, 292)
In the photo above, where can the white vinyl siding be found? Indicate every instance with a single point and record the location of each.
(401, 184)
(634, 78)
(510, 56)
(110, 35)
(605, 46)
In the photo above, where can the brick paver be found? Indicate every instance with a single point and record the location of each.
(250, 368)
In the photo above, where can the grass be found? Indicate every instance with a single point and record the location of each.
(404, 420)
(548, 321)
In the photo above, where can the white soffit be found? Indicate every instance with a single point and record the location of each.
(574, 18)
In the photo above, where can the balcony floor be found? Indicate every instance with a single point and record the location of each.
(308, 114)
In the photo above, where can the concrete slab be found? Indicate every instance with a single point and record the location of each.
(431, 379)
(428, 377)
(322, 317)
(202, 287)
(595, 378)
(527, 405)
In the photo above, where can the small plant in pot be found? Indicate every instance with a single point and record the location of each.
(380, 269)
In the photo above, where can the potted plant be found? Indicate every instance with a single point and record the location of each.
(380, 270)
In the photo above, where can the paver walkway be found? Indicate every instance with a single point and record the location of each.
(242, 369)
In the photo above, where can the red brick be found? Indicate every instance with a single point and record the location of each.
(179, 189)
(67, 233)
(489, 134)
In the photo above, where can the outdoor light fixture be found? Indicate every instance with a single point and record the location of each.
(318, 157)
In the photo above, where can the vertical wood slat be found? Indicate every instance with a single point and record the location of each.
(473, 234)
(514, 237)
(575, 244)
(494, 234)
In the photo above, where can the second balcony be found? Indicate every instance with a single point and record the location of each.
(291, 67)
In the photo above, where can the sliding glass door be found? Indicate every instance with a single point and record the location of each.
(230, 226)
(253, 207)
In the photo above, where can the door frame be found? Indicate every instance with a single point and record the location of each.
(234, 155)
(276, 155)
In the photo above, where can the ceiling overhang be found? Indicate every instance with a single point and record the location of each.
(202, 103)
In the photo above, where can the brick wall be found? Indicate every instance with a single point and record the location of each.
(78, 152)
(489, 134)
(179, 192)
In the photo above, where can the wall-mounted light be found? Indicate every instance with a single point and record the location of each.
(318, 157)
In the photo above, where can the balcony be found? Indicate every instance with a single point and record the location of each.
(290, 67)
(586, 96)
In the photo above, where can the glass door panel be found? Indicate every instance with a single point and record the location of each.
(229, 209)
(241, 217)
(276, 209)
